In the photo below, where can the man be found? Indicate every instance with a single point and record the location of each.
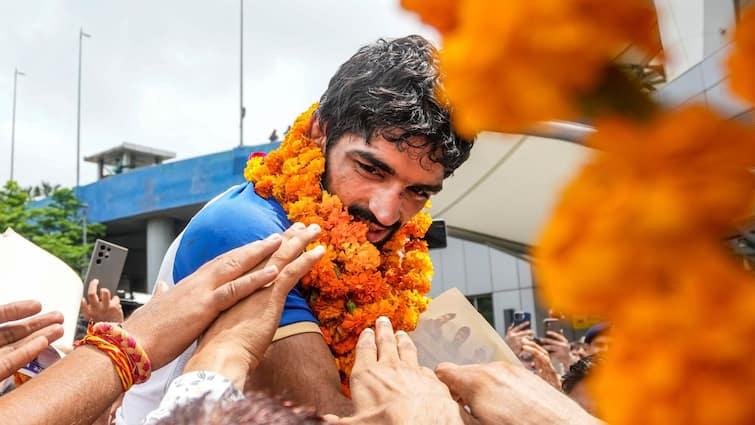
(598, 339)
(386, 135)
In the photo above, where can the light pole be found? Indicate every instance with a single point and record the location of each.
(242, 110)
(82, 35)
(16, 73)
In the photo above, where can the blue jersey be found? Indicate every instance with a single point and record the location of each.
(237, 217)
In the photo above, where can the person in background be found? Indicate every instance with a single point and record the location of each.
(598, 339)
(516, 334)
(575, 385)
(102, 308)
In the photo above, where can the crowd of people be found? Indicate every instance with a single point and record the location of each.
(228, 337)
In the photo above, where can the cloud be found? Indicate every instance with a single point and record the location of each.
(166, 73)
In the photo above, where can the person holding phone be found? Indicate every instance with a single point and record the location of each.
(102, 308)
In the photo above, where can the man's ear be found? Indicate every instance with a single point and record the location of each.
(317, 132)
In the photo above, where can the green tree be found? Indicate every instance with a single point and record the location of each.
(13, 208)
(56, 227)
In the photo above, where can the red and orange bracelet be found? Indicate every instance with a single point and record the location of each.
(129, 358)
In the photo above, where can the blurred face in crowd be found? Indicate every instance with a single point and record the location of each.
(600, 344)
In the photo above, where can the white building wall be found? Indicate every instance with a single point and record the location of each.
(476, 269)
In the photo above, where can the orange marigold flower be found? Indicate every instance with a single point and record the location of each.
(741, 62)
(509, 64)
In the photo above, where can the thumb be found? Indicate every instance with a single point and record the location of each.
(455, 378)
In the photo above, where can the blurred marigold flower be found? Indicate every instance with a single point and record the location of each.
(511, 63)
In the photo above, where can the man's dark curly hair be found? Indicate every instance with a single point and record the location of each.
(392, 88)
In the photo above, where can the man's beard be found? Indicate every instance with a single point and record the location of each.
(361, 213)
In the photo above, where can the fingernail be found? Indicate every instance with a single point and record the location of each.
(313, 229)
(401, 333)
(274, 237)
(298, 226)
(368, 331)
(318, 251)
(384, 320)
(270, 270)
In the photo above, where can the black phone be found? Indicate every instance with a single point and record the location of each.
(106, 265)
(555, 325)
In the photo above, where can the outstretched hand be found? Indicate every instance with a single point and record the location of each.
(502, 393)
(23, 341)
(236, 342)
(171, 321)
(388, 386)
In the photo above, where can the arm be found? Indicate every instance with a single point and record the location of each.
(164, 327)
(302, 369)
(529, 400)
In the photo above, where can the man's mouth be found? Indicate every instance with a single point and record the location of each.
(376, 234)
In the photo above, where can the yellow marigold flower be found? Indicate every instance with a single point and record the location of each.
(741, 63)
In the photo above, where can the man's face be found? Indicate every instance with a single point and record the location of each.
(600, 344)
(378, 183)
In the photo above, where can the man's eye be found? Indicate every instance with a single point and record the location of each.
(368, 168)
(421, 193)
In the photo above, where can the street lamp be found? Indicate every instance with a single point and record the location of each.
(242, 110)
(16, 73)
(82, 35)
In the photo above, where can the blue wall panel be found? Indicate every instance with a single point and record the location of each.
(166, 186)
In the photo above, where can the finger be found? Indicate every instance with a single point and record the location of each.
(386, 340)
(456, 379)
(116, 302)
(295, 240)
(365, 356)
(92, 292)
(19, 310)
(234, 263)
(557, 336)
(12, 361)
(237, 289)
(17, 331)
(407, 351)
(536, 350)
(105, 298)
(295, 270)
(520, 326)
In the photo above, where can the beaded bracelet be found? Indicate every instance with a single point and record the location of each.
(131, 362)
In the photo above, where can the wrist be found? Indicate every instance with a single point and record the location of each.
(223, 359)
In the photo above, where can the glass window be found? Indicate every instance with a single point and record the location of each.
(484, 305)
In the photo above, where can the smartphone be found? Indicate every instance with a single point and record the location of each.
(555, 325)
(106, 265)
(521, 317)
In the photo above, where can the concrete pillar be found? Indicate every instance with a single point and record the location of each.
(159, 237)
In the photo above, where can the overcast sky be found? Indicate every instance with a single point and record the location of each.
(165, 73)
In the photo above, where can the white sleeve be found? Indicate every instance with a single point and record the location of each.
(193, 386)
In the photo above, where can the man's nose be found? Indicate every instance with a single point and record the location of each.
(385, 205)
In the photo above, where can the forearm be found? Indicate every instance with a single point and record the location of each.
(227, 362)
(84, 384)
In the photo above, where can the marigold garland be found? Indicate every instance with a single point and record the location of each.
(511, 63)
(636, 237)
(355, 282)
